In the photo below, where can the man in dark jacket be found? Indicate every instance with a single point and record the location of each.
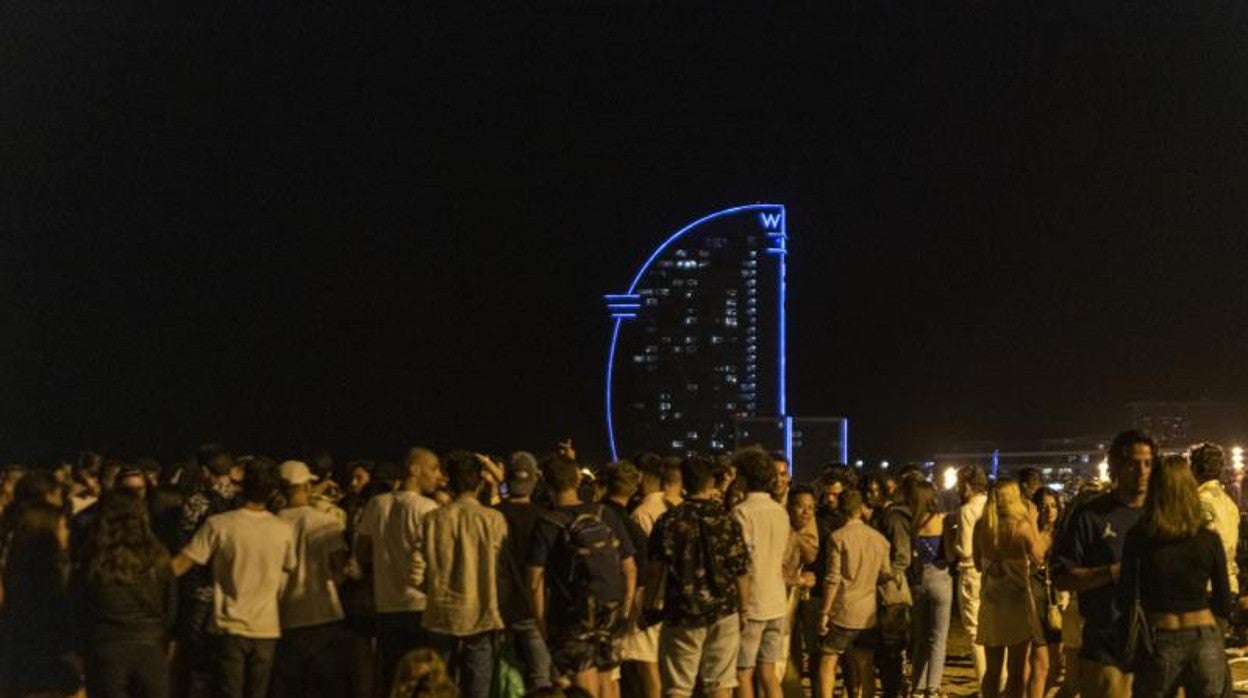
(895, 521)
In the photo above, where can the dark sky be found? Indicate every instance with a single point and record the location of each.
(362, 227)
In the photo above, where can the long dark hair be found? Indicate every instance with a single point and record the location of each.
(122, 548)
(919, 495)
(1038, 498)
(37, 565)
(1172, 507)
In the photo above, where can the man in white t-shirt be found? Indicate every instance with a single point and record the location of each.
(250, 552)
(765, 526)
(388, 534)
(309, 658)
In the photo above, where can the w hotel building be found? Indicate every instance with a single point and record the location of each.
(698, 337)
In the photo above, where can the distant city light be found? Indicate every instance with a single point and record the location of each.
(884, 464)
(1237, 457)
(949, 478)
(1102, 471)
(858, 464)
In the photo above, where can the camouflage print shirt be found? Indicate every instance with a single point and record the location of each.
(704, 551)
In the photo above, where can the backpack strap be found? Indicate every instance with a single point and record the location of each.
(558, 518)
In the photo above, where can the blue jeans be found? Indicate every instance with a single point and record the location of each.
(933, 605)
(1192, 658)
(471, 658)
(531, 647)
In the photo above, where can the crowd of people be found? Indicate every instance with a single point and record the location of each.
(465, 574)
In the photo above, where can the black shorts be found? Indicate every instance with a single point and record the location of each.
(839, 640)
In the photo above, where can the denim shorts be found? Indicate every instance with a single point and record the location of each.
(762, 642)
(1193, 658)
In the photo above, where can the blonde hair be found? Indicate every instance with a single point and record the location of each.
(1172, 505)
(1005, 506)
(417, 672)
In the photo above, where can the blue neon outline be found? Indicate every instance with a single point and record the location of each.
(845, 441)
(615, 335)
(788, 442)
(632, 293)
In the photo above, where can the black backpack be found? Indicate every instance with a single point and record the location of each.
(591, 552)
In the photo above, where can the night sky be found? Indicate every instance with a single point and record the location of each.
(283, 226)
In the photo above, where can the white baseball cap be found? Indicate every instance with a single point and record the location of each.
(296, 472)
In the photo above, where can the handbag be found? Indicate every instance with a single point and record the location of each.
(1139, 641)
(1052, 612)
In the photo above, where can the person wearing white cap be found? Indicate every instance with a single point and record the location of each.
(309, 658)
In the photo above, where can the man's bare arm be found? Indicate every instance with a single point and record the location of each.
(181, 564)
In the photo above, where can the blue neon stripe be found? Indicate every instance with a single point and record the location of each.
(845, 441)
(783, 319)
(615, 335)
(788, 442)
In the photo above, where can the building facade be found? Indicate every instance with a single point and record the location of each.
(1180, 424)
(698, 336)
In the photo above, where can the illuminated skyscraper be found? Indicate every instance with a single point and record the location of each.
(698, 337)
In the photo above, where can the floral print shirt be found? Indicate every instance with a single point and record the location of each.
(704, 550)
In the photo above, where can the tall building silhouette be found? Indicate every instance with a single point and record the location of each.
(698, 336)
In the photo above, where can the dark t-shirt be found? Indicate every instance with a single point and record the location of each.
(636, 535)
(828, 521)
(1175, 575)
(543, 552)
(521, 518)
(113, 612)
(1094, 537)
